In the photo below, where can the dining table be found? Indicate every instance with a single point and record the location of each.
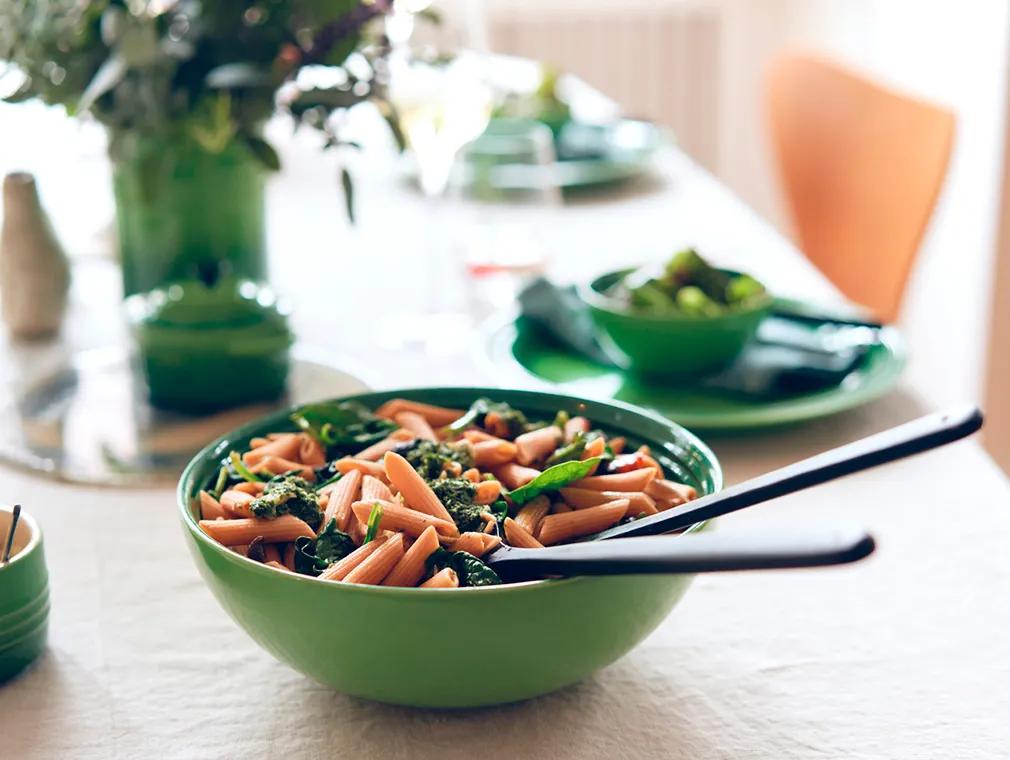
(902, 655)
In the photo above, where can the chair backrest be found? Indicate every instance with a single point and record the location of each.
(862, 167)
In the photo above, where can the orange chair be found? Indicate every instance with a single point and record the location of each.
(862, 168)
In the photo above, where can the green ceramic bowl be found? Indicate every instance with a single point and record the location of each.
(24, 597)
(668, 345)
(449, 647)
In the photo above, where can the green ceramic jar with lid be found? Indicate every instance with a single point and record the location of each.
(211, 346)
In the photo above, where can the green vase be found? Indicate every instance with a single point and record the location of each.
(184, 211)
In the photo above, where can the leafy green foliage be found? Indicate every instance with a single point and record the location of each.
(220, 483)
(343, 427)
(312, 556)
(374, 518)
(471, 571)
(288, 495)
(553, 479)
(478, 411)
(430, 459)
(243, 472)
(457, 495)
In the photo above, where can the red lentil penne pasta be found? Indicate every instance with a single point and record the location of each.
(244, 530)
(488, 492)
(617, 444)
(670, 492)
(310, 451)
(633, 480)
(242, 549)
(595, 448)
(416, 424)
(252, 488)
(278, 465)
(344, 493)
(518, 536)
(285, 447)
(396, 517)
(271, 554)
(580, 498)
(289, 557)
(374, 452)
(489, 454)
(476, 436)
(537, 444)
(339, 570)
(366, 467)
(411, 567)
(581, 522)
(373, 488)
(378, 564)
(495, 425)
(470, 542)
(278, 566)
(255, 443)
(416, 493)
(559, 507)
(515, 475)
(236, 503)
(437, 416)
(210, 508)
(576, 425)
(473, 475)
(446, 578)
(531, 513)
(651, 462)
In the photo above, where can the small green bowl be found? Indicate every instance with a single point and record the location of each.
(668, 345)
(24, 597)
(449, 647)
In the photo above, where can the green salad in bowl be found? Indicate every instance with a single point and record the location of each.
(684, 319)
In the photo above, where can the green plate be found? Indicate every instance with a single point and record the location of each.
(519, 353)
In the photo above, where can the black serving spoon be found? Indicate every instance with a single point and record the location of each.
(690, 553)
(899, 442)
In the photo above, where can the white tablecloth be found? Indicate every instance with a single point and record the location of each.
(904, 655)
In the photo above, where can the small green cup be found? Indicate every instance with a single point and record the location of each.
(24, 597)
(672, 346)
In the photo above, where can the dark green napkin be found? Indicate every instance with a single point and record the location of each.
(788, 357)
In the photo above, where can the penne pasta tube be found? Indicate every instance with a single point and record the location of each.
(518, 536)
(574, 426)
(537, 444)
(242, 549)
(580, 498)
(244, 530)
(374, 452)
(416, 424)
(277, 566)
(364, 466)
(373, 488)
(495, 425)
(633, 480)
(278, 465)
(339, 570)
(473, 475)
(617, 444)
(581, 522)
(310, 451)
(595, 448)
(488, 492)
(210, 508)
(396, 517)
(253, 488)
(445, 578)
(437, 416)
(488, 454)
(559, 507)
(271, 554)
(515, 475)
(650, 462)
(236, 503)
(285, 447)
(416, 493)
(378, 564)
(344, 493)
(475, 435)
(669, 491)
(255, 443)
(470, 542)
(411, 567)
(289, 557)
(532, 512)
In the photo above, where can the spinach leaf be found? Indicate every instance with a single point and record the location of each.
(373, 523)
(312, 556)
(553, 478)
(478, 411)
(222, 481)
(344, 427)
(244, 472)
(471, 571)
(500, 510)
(306, 561)
(569, 451)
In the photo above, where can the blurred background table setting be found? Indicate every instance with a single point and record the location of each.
(214, 211)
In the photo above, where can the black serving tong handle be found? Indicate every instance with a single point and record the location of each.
(899, 442)
(690, 553)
